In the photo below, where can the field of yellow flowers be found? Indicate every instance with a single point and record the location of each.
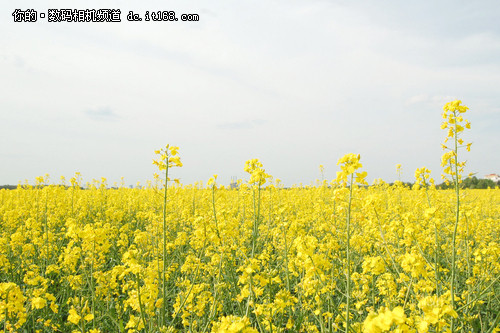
(339, 256)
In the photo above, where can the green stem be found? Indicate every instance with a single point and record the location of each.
(215, 213)
(164, 282)
(286, 261)
(141, 307)
(92, 282)
(457, 193)
(255, 233)
(6, 311)
(467, 254)
(436, 258)
(348, 255)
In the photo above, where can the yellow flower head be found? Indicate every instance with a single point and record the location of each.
(258, 174)
(349, 163)
(454, 124)
(233, 324)
(168, 158)
(74, 317)
(212, 180)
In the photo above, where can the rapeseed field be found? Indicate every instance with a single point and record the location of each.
(340, 256)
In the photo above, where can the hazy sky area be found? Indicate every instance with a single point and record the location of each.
(293, 83)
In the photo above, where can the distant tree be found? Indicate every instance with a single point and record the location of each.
(485, 183)
(473, 183)
(8, 187)
(470, 182)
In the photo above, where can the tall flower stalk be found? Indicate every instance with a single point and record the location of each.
(213, 184)
(422, 175)
(453, 170)
(258, 177)
(349, 164)
(168, 157)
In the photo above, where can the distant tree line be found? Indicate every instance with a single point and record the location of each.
(469, 182)
(13, 187)
(472, 183)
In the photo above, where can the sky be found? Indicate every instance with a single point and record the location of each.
(296, 84)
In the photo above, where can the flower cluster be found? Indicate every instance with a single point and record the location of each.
(12, 309)
(422, 177)
(349, 163)
(436, 310)
(233, 324)
(258, 175)
(455, 124)
(384, 320)
(168, 157)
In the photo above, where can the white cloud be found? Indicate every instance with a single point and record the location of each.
(102, 114)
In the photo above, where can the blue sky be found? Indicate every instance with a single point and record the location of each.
(293, 83)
